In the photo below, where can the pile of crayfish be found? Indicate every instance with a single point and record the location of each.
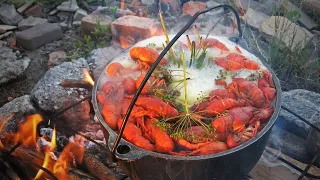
(230, 116)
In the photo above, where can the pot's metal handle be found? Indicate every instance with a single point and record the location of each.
(155, 64)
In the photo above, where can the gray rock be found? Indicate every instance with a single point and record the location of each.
(53, 12)
(11, 67)
(98, 59)
(292, 35)
(2, 36)
(304, 103)
(48, 93)
(79, 14)
(254, 18)
(5, 28)
(9, 15)
(64, 26)
(312, 4)
(25, 6)
(70, 6)
(30, 22)
(289, 144)
(148, 2)
(289, 7)
(38, 35)
(13, 113)
(21, 104)
(246, 4)
(214, 12)
(76, 23)
(64, 15)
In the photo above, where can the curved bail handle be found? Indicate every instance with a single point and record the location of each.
(155, 64)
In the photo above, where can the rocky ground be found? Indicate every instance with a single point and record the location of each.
(43, 42)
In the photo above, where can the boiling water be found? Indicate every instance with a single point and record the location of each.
(200, 81)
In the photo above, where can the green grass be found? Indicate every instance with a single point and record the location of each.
(99, 38)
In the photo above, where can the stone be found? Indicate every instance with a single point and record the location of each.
(64, 15)
(79, 14)
(89, 23)
(135, 29)
(38, 35)
(21, 104)
(2, 36)
(192, 7)
(64, 26)
(70, 6)
(53, 12)
(304, 19)
(292, 35)
(5, 28)
(76, 23)
(77, 117)
(148, 2)
(11, 67)
(35, 11)
(254, 18)
(13, 112)
(98, 59)
(304, 103)
(174, 4)
(25, 6)
(244, 5)
(9, 15)
(211, 4)
(56, 58)
(49, 95)
(313, 4)
(30, 22)
(289, 144)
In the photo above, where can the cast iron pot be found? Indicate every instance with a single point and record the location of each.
(233, 164)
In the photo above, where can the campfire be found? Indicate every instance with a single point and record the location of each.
(43, 152)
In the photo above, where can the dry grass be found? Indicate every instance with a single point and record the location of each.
(295, 67)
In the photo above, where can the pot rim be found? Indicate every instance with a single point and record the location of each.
(133, 148)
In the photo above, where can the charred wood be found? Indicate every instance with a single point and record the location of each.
(76, 84)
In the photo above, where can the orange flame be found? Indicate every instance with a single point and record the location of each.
(2, 125)
(61, 166)
(47, 156)
(87, 77)
(122, 5)
(27, 133)
(1, 146)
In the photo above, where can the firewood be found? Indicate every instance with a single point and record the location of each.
(76, 84)
(97, 168)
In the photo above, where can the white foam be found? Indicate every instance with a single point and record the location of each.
(202, 81)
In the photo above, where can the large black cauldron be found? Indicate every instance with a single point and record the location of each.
(232, 164)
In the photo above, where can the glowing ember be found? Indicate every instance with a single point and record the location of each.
(87, 77)
(61, 167)
(1, 146)
(47, 156)
(27, 133)
(1, 127)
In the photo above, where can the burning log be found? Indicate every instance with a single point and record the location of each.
(30, 155)
(86, 83)
(97, 168)
(76, 84)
